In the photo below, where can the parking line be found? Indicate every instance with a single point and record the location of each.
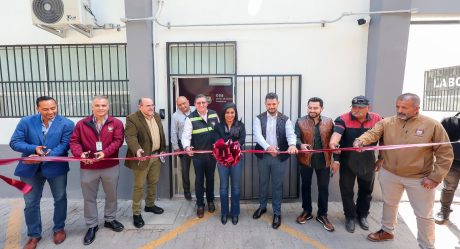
(13, 230)
(297, 234)
(176, 231)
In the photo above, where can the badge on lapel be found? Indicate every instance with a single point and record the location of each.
(419, 132)
(110, 128)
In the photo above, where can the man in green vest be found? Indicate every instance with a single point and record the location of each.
(199, 134)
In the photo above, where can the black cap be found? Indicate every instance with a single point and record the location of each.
(360, 101)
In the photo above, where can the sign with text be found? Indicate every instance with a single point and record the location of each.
(442, 89)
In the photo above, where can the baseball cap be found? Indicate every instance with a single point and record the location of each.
(360, 101)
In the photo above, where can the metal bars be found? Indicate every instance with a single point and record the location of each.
(202, 58)
(250, 91)
(442, 90)
(72, 74)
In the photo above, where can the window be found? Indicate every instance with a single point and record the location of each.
(202, 58)
(442, 89)
(72, 74)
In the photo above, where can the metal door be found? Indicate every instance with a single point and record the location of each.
(250, 91)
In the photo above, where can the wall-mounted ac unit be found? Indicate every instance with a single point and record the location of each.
(60, 14)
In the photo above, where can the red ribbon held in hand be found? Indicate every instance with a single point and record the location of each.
(227, 153)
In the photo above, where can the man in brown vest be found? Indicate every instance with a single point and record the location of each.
(314, 132)
(144, 136)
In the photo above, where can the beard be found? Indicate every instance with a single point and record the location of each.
(272, 111)
(313, 114)
(402, 116)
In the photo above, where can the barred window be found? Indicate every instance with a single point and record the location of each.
(72, 74)
(442, 89)
(202, 58)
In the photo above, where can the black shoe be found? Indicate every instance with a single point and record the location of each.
(90, 236)
(363, 223)
(200, 212)
(350, 225)
(138, 221)
(259, 213)
(114, 225)
(154, 209)
(211, 207)
(223, 219)
(234, 220)
(276, 221)
(188, 196)
(441, 218)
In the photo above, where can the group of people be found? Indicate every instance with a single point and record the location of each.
(96, 137)
(416, 170)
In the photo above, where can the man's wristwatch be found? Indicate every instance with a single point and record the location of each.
(379, 157)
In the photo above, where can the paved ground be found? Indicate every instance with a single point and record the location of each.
(178, 227)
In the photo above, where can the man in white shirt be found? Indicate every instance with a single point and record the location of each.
(199, 134)
(177, 126)
(273, 132)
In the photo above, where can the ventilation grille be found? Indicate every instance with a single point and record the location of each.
(48, 11)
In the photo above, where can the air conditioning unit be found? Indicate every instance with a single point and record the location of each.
(56, 13)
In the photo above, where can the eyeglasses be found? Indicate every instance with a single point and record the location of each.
(201, 103)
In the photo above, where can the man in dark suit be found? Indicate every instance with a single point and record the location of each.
(144, 136)
(43, 134)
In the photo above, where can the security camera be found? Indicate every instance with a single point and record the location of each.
(363, 20)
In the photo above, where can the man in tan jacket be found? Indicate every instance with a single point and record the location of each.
(144, 136)
(413, 169)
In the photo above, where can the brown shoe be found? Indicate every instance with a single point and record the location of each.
(325, 222)
(59, 237)
(32, 243)
(380, 236)
(200, 212)
(303, 217)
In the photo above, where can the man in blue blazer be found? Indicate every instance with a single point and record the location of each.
(43, 134)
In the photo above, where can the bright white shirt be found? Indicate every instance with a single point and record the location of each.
(271, 132)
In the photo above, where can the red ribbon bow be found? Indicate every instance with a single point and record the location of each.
(227, 153)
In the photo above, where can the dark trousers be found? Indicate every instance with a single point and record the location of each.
(185, 161)
(204, 165)
(450, 185)
(322, 179)
(365, 188)
(271, 167)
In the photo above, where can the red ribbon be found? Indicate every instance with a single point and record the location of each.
(231, 156)
(227, 153)
(22, 186)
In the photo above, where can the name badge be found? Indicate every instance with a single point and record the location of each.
(98, 146)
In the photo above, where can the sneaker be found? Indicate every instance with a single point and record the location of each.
(325, 222)
(441, 218)
(303, 217)
(380, 236)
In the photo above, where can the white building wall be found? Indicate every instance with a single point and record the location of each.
(430, 46)
(331, 59)
(16, 24)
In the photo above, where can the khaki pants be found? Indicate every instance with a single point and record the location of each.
(421, 200)
(151, 175)
(89, 180)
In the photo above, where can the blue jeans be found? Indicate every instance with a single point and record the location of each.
(322, 180)
(235, 175)
(204, 166)
(274, 167)
(58, 186)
